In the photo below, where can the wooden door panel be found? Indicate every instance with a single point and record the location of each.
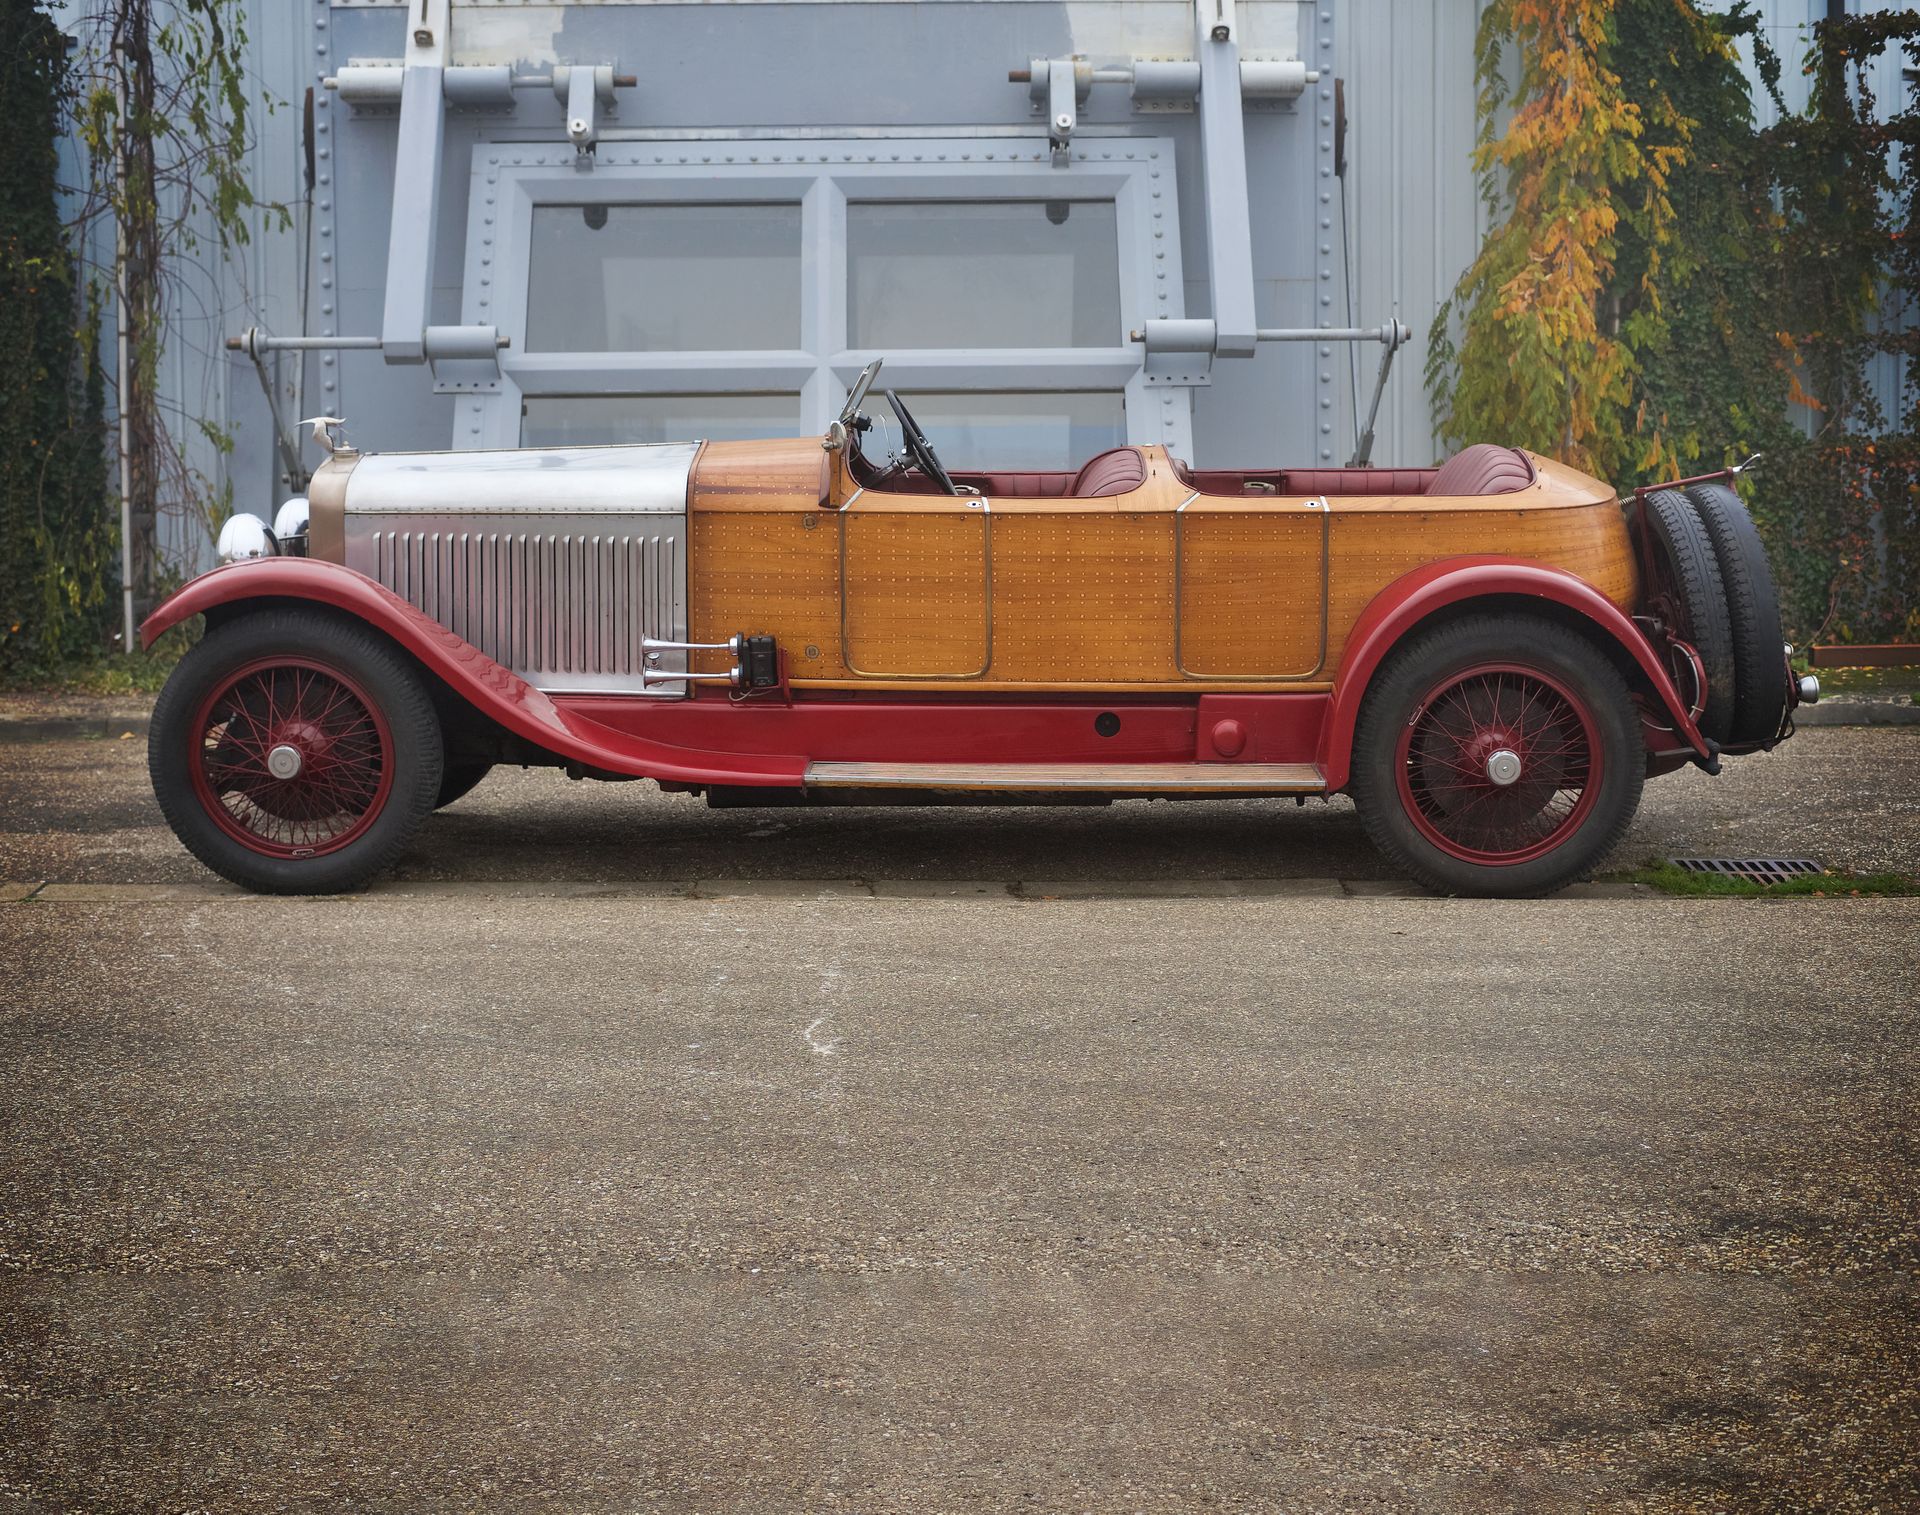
(1082, 595)
(915, 588)
(1252, 590)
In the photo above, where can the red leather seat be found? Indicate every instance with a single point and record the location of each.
(1114, 472)
(1483, 469)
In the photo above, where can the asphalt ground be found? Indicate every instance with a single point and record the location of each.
(459, 1194)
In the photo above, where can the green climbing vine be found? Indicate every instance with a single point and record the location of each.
(57, 539)
(1743, 288)
(151, 102)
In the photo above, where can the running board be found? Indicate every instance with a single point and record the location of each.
(1102, 778)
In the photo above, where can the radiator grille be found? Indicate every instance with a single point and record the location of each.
(564, 609)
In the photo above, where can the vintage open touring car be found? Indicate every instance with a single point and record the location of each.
(1489, 656)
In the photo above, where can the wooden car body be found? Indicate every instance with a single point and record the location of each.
(789, 621)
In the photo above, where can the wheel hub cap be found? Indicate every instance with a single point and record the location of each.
(1503, 766)
(284, 762)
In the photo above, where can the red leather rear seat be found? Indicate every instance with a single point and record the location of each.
(1483, 469)
(1114, 472)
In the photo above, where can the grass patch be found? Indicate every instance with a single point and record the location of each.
(1837, 884)
(1862, 680)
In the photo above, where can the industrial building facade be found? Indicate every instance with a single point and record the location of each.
(1063, 225)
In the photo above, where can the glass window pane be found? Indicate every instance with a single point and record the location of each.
(942, 273)
(581, 420)
(663, 278)
(1009, 431)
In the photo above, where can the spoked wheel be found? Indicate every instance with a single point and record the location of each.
(295, 751)
(1498, 756)
(1499, 764)
(295, 759)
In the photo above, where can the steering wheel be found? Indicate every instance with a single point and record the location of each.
(924, 457)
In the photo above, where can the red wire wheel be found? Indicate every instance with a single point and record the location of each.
(293, 759)
(1500, 764)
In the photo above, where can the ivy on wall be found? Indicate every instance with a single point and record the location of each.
(57, 526)
(1537, 362)
(1733, 286)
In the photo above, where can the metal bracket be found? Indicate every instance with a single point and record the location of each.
(1223, 136)
(1058, 86)
(1178, 352)
(373, 85)
(585, 90)
(1162, 85)
(425, 86)
(416, 184)
(464, 359)
(1182, 352)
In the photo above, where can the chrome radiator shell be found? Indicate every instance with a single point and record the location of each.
(555, 562)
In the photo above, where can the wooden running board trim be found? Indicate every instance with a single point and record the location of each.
(1106, 778)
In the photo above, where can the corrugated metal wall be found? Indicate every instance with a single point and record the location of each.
(1414, 214)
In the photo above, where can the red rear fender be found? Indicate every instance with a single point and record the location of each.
(1409, 600)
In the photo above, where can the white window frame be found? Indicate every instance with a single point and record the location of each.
(510, 180)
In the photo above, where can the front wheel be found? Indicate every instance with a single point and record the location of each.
(295, 752)
(458, 780)
(1499, 755)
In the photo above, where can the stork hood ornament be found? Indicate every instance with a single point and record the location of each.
(330, 432)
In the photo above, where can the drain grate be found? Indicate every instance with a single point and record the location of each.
(1761, 870)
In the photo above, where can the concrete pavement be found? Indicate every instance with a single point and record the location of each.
(533, 1181)
(959, 1204)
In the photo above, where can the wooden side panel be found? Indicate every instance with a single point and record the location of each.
(1082, 595)
(763, 553)
(1372, 548)
(916, 589)
(781, 475)
(767, 571)
(1250, 591)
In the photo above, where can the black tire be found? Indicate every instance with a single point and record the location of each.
(1753, 609)
(1401, 698)
(1685, 559)
(339, 646)
(458, 779)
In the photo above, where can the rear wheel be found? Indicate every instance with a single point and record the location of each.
(1498, 755)
(294, 752)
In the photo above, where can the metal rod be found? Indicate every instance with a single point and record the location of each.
(121, 345)
(1363, 444)
(528, 81)
(253, 341)
(1392, 334)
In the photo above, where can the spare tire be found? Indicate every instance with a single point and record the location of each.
(1753, 608)
(1688, 573)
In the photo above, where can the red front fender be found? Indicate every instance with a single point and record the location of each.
(1410, 599)
(494, 691)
